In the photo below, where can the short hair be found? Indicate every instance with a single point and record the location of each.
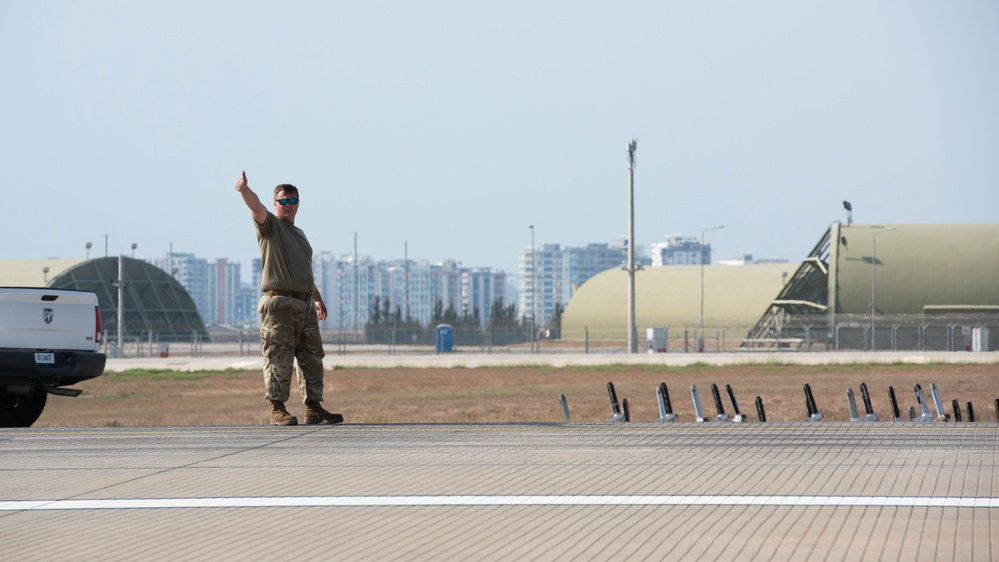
(287, 188)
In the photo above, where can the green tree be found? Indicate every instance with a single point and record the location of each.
(554, 325)
(438, 315)
(503, 314)
(450, 315)
(504, 326)
(376, 317)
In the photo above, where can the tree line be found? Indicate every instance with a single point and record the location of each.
(393, 326)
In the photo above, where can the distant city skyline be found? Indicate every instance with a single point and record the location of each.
(546, 279)
(642, 252)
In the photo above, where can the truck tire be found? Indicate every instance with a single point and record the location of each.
(20, 410)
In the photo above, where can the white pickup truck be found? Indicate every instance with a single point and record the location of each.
(49, 339)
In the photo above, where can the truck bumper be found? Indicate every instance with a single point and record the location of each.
(70, 367)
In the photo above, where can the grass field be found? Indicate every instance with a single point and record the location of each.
(518, 394)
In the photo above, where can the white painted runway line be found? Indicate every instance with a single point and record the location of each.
(526, 500)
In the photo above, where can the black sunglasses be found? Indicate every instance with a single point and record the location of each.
(289, 201)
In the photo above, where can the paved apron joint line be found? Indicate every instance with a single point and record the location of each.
(568, 500)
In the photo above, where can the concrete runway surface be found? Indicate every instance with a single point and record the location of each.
(686, 491)
(800, 491)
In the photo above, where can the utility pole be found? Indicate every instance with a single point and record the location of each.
(120, 351)
(533, 295)
(632, 329)
(405, 253)
(357, 296)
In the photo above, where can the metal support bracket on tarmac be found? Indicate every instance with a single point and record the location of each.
(697, 404)
(618, 415)
(722, 416)
(893, 401)
(924, 411)
(738, 418)
(665, 406)
(565, 407)
(854, 416)
(871, 416)
(852, 401)
(814, 415)
(941, 415)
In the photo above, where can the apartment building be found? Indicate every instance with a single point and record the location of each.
(407, 286)
(214, 286)
(550, 274)
(480, 288)
(676, 250)
(349, 286)
(579, 264)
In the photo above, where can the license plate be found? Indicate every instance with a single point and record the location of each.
(45, 358)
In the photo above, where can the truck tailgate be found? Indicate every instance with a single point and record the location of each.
(54, 319)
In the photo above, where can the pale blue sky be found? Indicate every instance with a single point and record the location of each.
(454, 125)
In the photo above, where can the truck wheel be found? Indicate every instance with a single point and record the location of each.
(21, 411)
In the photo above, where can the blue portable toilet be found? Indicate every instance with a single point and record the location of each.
(445, 338)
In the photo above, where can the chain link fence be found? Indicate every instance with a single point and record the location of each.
(897, 332)
(802, 333)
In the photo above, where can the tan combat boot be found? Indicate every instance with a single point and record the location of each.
(314, 413)
(280, 416)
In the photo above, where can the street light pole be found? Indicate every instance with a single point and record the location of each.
(533, 294)
(357, 289)
(120, 351)
(700, 338)
(874, 268)
(632, 329)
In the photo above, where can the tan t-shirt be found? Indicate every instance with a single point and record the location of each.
(285, 257)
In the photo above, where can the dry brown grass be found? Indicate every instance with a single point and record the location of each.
(516, 394)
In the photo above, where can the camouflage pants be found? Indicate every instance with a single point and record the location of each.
(289, 330)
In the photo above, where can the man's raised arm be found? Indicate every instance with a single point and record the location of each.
(257, 209)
